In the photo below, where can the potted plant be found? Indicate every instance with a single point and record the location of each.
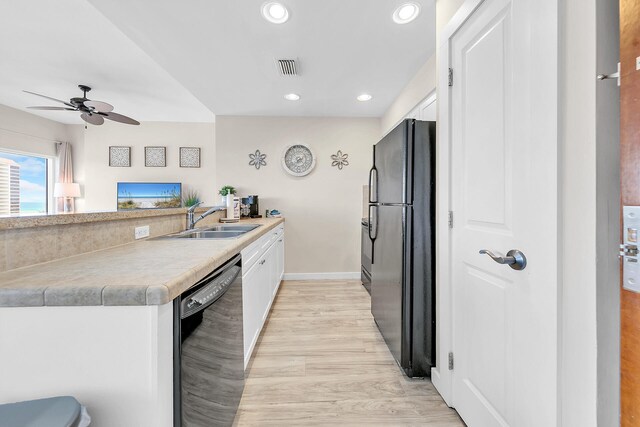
(226, 191)
(190, 198)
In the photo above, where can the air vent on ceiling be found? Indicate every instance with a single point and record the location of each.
(287, 67)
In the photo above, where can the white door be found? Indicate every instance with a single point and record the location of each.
(503, 197)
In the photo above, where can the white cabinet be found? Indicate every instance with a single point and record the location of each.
(425, 111)
(280, 258)
(251, 312)
(428, 110)
(262, 271)
(116, 360)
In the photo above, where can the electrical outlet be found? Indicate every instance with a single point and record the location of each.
(141, 232)
(638, 63)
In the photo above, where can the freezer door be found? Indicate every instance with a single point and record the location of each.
(388, 295)
(392, 166)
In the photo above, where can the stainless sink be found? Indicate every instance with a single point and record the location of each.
(244, 228)
(209, 235)
(215, 232)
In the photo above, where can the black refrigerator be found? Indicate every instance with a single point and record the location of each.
(402, 230)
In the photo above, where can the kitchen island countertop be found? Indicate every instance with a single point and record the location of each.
(146, 272)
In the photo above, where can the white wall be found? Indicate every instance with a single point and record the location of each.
(100, 179)
(445, 9)
(424, 82)
(577, 365)
(608, 214)
(75, 135)
(28, 133)
(31, 134)
(590, 328)
(420, 86)
(322, 210)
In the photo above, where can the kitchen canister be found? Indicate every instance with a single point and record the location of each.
(230, 209)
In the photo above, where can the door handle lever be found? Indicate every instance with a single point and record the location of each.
(514, 259)
(615, 75)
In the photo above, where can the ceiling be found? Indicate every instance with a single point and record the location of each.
(183, 61)
(50, 47)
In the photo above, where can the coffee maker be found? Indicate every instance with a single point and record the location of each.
(249, 207)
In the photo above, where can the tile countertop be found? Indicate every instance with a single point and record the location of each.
(147, 272)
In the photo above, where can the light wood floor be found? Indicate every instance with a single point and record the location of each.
(322, 361)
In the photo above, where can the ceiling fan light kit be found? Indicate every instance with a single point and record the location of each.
(91, 111)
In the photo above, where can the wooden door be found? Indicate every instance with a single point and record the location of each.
(630, 195)
(503, 197)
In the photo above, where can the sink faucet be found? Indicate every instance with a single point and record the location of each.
(191, 222)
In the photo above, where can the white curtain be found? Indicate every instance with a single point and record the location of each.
(64, 169)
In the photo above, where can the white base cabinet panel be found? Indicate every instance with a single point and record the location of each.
(117, 361)
(262, 272)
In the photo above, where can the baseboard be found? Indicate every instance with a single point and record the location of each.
(323, 276)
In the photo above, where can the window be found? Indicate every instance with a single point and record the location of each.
(23, 184)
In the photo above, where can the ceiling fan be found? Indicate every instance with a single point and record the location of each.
(93, 112)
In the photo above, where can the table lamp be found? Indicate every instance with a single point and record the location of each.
(67, 190)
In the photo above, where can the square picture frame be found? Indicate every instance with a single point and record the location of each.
(119, 156)
(189, 157)
(155, 157)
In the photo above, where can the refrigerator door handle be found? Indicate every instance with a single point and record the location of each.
(373, 183)
(372, 221)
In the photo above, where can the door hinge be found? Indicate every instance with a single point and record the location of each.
(450, 219)
(450, 76)
(451, 361)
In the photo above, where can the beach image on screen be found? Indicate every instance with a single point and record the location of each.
(148, 195)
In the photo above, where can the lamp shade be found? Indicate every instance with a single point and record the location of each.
(66, 189)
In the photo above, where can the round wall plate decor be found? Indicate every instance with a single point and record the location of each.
(298, 160)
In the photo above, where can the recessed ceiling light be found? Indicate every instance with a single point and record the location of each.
(364, 97)
(275, 12)
(406, 13)
(292, 97)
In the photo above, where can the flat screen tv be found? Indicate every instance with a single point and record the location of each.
(149, 195)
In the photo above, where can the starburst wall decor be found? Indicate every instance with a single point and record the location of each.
(257, 159)
(340, 159)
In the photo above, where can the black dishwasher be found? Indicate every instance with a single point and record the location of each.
(208, 349)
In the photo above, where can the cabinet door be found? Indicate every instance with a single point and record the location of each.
(428, 111)
(280, 256)
(265, 285)
(252, 315)
(270, 270)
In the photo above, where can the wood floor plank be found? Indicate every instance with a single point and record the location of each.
(321, 361)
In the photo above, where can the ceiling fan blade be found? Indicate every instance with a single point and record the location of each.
(120, 118)
(94, 119)
(103, 107)
(52, 99)
(52, 108)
